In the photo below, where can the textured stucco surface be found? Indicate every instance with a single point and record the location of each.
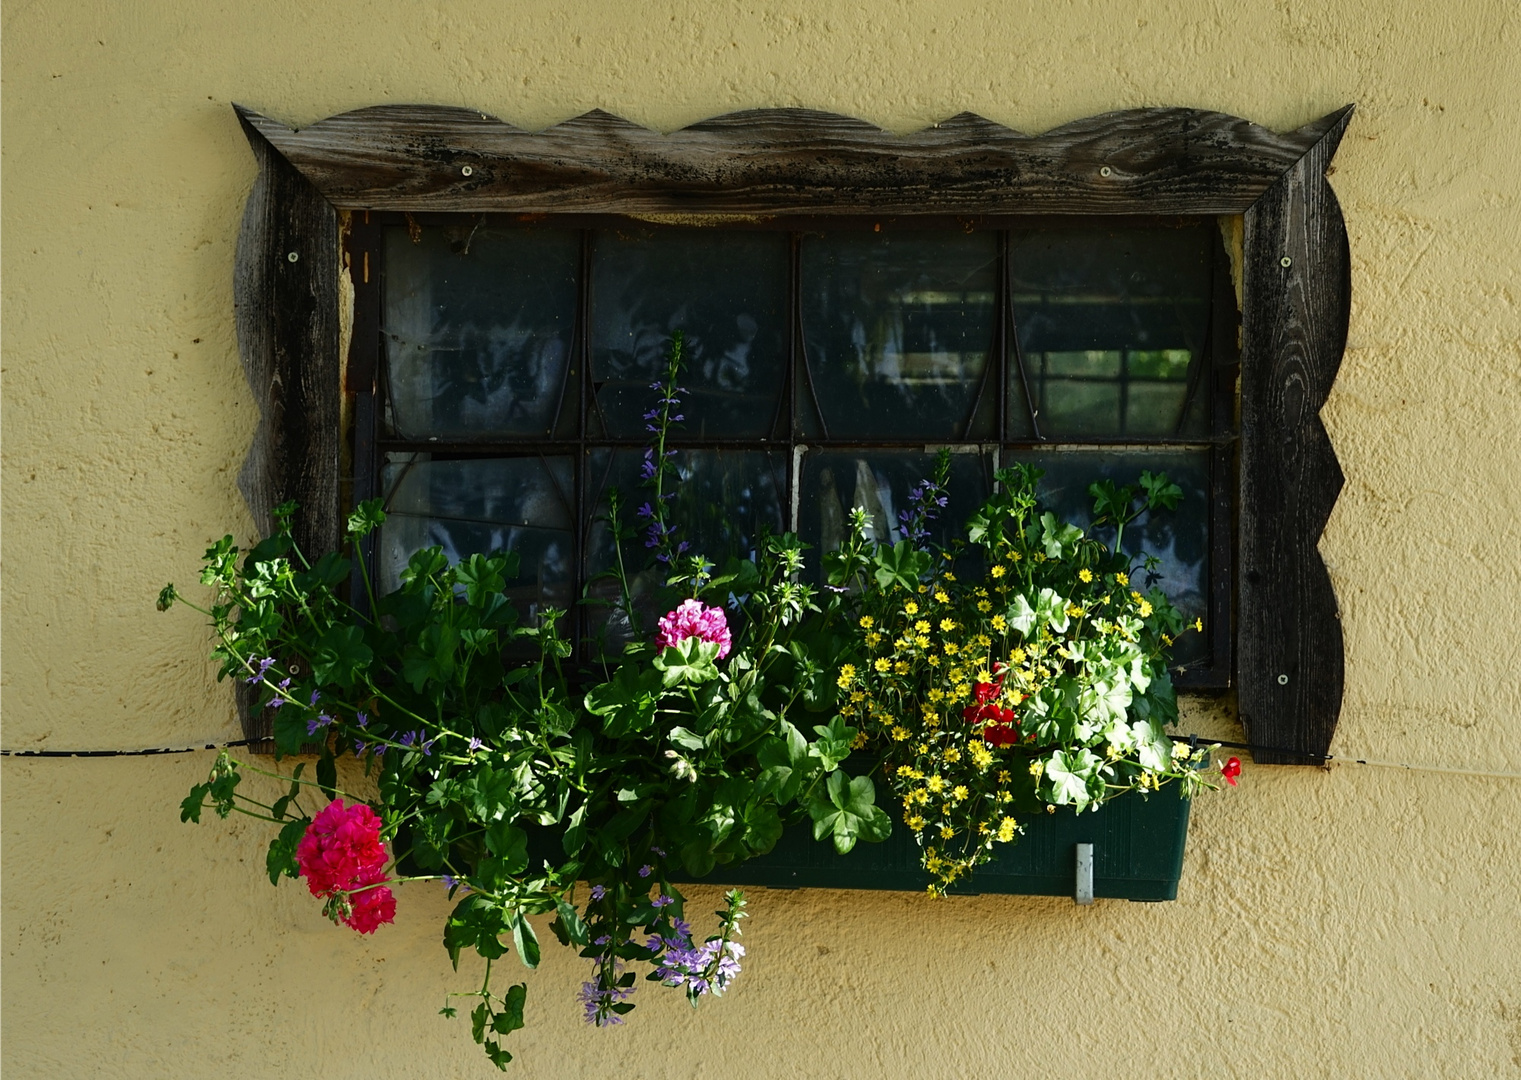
(1357, 922)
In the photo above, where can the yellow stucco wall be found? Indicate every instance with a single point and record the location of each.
(1357, 922)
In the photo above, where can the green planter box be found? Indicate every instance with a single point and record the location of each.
(1137, 855)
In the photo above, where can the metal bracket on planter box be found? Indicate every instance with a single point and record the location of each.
(1084, 893)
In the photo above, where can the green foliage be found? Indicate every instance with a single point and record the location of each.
(1042, 679)
(510, 778)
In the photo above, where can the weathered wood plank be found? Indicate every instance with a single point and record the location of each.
(788, 161)
(1295, 329)
(287, 325)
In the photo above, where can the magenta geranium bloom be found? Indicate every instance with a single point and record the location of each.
(342, 851)
(691, 619)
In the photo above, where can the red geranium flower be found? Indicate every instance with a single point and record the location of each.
(1230, 770)
(341, 851)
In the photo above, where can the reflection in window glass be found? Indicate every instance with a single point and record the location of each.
(1178, 538)
(1111, 327)
(477, 328)
(835, 482)
(725, 500)
(727, 293)
(898, 328)
(474, 506)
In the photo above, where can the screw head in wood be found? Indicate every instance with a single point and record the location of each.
(292, 257)
(1106, 171)
(1285, 262)
(1283, 680)
(466, 171)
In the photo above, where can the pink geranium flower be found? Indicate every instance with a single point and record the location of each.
(691, 619)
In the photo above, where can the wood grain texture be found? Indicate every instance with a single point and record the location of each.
(1289, 640)
(788, 161)
(287, 325)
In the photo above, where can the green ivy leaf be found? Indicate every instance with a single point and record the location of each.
(509, 844)
(901, 565)
(847, 812)
(281, 858)
(525, 939)
(690, 661)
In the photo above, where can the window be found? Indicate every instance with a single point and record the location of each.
(827, 359)
(1067, 296)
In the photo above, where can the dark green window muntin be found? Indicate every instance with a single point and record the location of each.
(828, 360)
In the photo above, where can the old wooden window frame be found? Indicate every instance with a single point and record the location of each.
(305, 226)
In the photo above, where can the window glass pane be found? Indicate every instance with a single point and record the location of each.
(898, 328)
(726, 291)
(479, 506)
(477, 329)
(1178, 538)
(835, 482)
(724, 500)
(1111, 327)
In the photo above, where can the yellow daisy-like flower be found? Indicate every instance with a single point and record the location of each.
(1018, 656)
(1122, 579)
(1085, 575)
(946, 832)
(901, 734)
(915, 822)
(1145, 608)
(922, 641)
(1004, 776)
(873, 639)
(1036, 768)
(952, 755)
(984, 607)
(847, 673)
(1000, 623)
(981, 756)
(983, 641)
(984, 675)
(1015, 556)
(1135, 596)
(922, 626)
(984, 828)
(941, 597)
(955, 674)
(936, 694)
(932, 660)
(866, 622)
(882, 664)
(923, 589)
(922, 748)
(998, 571)
(1007, 829)
(948, 575)
(959, 792)
(935, 783)
(960, 690)
(911, 608)
(1005, 796)
(931, 719)
(1074, 611)
(901, 667)
(947, 625)
(905, 771)
(951, 648)
(858, 696)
